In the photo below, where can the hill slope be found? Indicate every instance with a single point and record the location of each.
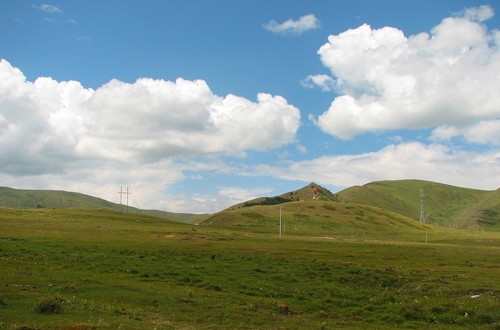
(487, 212)
(319, 218)
(444, 205)
(32, 199)
(310, 192)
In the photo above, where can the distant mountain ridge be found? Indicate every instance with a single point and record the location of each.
(32, 199)
(444, 205)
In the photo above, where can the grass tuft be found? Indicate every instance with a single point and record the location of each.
(283, 308)
(50, 305)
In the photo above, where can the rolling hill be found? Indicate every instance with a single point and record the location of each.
(317, 218)
(55, 199)
(310, 192)
(326, 215)
(382, 202)
(444, 205)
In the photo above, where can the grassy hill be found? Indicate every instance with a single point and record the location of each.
(310, 192)
(445, 205)
(307, 193)
(487, 212)
(54, 199)
(323, 219)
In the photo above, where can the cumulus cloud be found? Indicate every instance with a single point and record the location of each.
(304, 23)
(97, 139)
(433, 162)
(45, 124)
(388, 81)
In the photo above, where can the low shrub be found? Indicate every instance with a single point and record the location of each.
(50, 305)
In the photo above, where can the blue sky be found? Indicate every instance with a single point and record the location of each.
(198, 105)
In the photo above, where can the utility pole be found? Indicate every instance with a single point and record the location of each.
(127, 198)
(121, 194)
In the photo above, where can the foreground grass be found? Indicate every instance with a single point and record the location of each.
(65, 269)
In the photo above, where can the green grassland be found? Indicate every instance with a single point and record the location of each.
(445, 205)
(336, 266)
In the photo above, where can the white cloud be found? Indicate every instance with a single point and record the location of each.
(323, 81)
(396, 138)
(486, 131)
(388, 81)
(239, 194)
(50, 9)
(92, 141)
(444, 133)
(301, 148)
(478, 14)
(269, 123)
(411, 160)
(47, 123)
(304, 23)
(210, 203)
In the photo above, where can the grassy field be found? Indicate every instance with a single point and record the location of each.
(337, 266)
